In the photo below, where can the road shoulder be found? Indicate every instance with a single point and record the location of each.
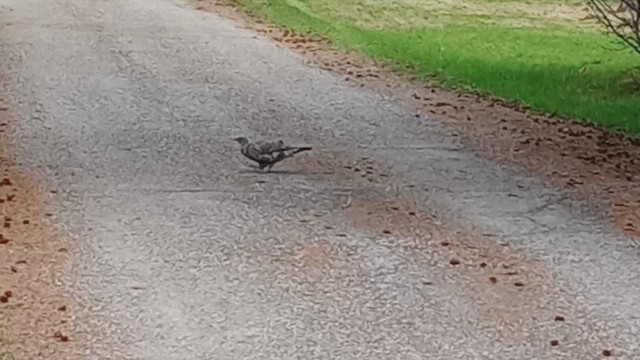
(40, 318)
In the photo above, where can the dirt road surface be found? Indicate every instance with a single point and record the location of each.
(390, 240)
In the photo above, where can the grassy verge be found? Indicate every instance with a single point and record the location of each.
(536, 54)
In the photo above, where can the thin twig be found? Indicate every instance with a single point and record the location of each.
(624, 28)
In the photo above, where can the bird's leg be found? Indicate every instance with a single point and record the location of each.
(275, 159)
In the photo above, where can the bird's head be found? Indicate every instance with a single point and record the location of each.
(241, 140)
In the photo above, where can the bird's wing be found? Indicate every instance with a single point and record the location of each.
(268, 147)
(253, 152)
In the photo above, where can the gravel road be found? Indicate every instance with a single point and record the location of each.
(128, 109)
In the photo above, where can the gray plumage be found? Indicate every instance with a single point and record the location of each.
(267, 153)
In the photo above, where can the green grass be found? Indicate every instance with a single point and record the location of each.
(553, 65)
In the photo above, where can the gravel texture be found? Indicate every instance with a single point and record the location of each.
(571, 154)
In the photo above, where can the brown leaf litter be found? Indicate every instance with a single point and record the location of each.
(38, 318)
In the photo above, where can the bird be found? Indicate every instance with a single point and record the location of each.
(267, 153)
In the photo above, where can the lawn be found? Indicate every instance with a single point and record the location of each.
(538, 53)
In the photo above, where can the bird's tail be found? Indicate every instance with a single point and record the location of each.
(281, 155)
(301, 149)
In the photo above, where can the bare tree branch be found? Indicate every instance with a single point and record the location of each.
(623, 22)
